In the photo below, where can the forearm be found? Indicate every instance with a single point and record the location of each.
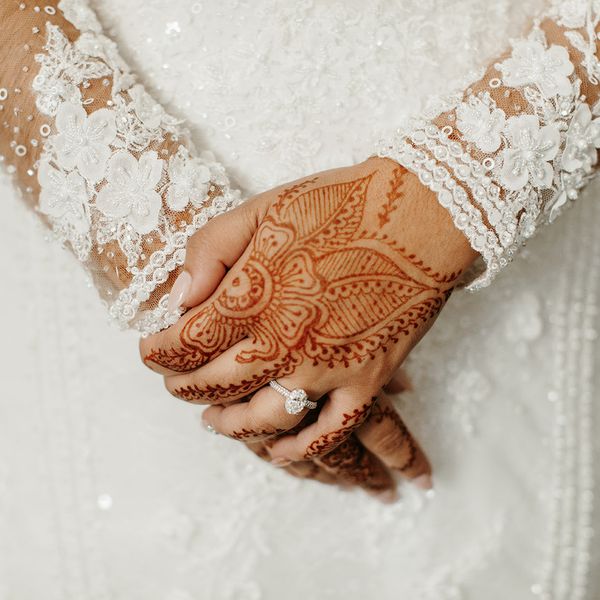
(505, 156)
(103, 164)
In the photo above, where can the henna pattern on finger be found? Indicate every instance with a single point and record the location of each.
(258, 434)
(269, 437)
(318, 286)
(378, 415)
(304, 470)
(219, 393)
(328, 441)
(352, 463)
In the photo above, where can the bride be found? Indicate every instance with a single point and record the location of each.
(288, 313)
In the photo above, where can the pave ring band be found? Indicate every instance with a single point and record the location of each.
(295, 400)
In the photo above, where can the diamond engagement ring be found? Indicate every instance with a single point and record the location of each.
(295, 400)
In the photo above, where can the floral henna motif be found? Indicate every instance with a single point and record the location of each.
(327, 442)
(188, 357)
(319, 285)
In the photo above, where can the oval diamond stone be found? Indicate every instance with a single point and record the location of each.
(294, 403)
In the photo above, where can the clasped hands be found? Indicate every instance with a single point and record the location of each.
(324, 284)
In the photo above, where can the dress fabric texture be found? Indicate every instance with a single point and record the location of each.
(109, 489)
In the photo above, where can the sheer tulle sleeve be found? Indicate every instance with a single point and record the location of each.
(113, 175)
(509, 153)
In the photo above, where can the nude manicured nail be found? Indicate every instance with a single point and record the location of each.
(179, 291)
(425, 482)
(388, 497)
(281, 462)
(209, 427)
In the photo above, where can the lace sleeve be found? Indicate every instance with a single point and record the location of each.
(114, 176)
(509, 153)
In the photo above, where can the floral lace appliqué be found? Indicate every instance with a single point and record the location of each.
(108, 184)
(509, 156)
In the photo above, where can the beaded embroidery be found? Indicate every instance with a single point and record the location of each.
(108, 185)
(502, 169)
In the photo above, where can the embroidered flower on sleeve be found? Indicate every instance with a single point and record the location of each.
(131, 193)
(146, 108)
(83, 141)
(570, 13)
(583, 140)
(63, 68)
(530, 152)
(532, 63)
(480, 123)
(189, 182)
(80, 14)
(64, 198)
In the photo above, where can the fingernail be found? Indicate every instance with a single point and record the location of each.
(388, 497)
(209, 427)
(425, 482)
(281, 462)
(179, 291)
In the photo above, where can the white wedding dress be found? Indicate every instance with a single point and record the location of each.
(111, 490)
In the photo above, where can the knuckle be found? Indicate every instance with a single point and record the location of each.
(267, 424)
(369, 381)
(249, 216)
(390, 441)
(372, 160)
(205, 233)
(296, 453)
(201, 241)
(306, 470)
(258, 424)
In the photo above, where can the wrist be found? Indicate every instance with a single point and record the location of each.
(420, 222)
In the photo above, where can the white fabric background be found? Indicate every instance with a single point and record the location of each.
(110, 489)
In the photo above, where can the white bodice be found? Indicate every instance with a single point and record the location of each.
(110, 489)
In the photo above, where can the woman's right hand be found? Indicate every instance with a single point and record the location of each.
(324, 284)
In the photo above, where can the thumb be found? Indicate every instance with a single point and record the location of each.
(211, 251)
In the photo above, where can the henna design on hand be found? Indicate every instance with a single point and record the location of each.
(328, 441)
(315, 287)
